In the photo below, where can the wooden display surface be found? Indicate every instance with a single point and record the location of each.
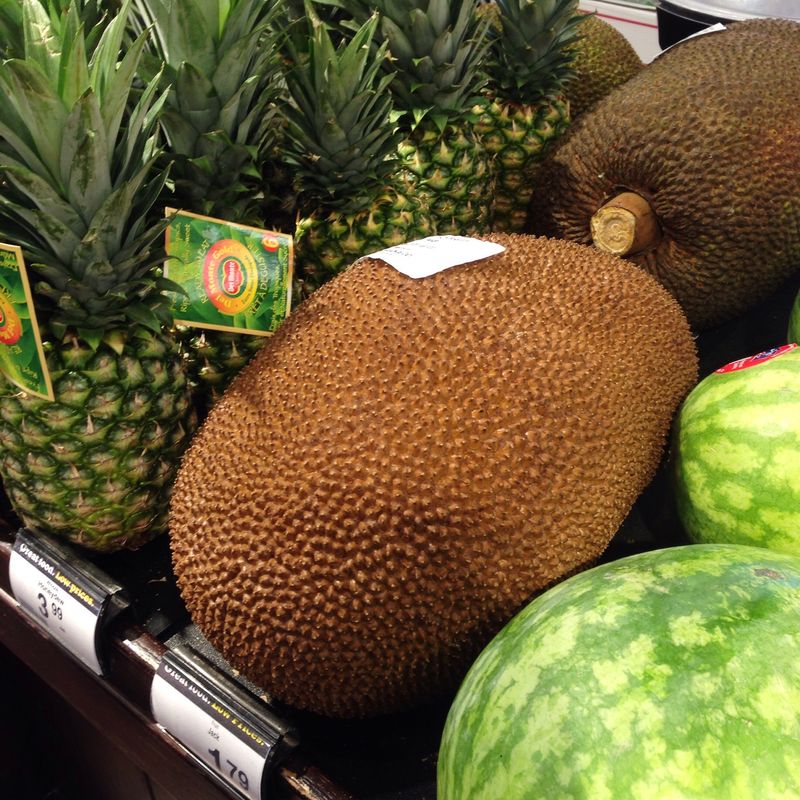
(101, 731)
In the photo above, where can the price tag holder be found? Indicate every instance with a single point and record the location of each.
(222, 725)
(65, 594)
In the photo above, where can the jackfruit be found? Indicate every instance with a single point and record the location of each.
(604, 59)
(406, 462)
(704, 144)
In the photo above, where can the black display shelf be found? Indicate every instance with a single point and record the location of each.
(388, 758)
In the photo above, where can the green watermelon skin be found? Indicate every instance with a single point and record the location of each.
(669, 675)
(736, 456)
(793, 334)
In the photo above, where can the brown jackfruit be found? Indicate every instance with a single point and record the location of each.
(406, 461)
(709, 135)
(604, 59)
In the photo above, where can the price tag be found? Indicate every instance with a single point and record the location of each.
(222, 726)
(425, 257)
(67, 596)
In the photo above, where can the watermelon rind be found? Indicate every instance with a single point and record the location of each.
(793, 334)
(670, 675)
(736, 455)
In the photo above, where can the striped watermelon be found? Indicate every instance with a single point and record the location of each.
(737, 453)
(794, 322)
(669, 675)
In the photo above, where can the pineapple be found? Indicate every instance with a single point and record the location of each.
(78, 156)
(344, 149)
(221, 64)
(530, 60)
(437, 47)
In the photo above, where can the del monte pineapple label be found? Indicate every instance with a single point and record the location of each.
(236, 277)
(22, 358)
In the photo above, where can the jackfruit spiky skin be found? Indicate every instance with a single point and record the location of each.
(604, 59)
(709, 134)
(406, 461)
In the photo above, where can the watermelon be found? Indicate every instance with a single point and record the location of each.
(736, 453)
(669, 675)
(793, 334)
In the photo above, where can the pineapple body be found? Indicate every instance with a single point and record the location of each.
(213, 359)
(328, 242)
(517, 137)
(451, 177)
(96, 465)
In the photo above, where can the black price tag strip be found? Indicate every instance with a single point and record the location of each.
(65, 594)
(223, 726)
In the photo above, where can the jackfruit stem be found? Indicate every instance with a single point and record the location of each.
(625, 225)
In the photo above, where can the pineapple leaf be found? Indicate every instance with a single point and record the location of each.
(11, 36)
(195, 98)
(192, 34)
(116, 93)
(48, 231)
(40, 193)
(42, 111)
(24, 153)
(109, 223)
(166, 285)
(235, 64)
(89, 182)
(41, 45)
(144, 315)
(73, 70)
(105, 55)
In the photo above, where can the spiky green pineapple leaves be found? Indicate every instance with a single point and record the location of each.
(436, 46)
(531, 57)
(339, 135)
(77, 155)
(221, 64)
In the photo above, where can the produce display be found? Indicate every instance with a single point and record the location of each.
(678, 170)
(674, 673)
(406, 461)
(417, 469)
(737, 453)
(529, 61)
(604, 59)
(95, 463)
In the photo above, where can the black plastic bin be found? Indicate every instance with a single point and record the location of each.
(678, 19)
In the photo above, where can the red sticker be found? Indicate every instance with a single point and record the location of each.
(759, 358)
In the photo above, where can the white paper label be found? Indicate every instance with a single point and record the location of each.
(716, 28)
(54, 597)
(223, 739)
(425, 257)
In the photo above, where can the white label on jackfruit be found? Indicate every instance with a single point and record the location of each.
(54, 597)
(425, 257)
(716, 28)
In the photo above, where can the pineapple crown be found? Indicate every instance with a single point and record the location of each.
(339, 134)
(78, 163)
(12, 36)
(437, 47)
(530, 56)
(220, 60)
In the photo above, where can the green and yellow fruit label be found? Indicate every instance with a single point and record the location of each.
(236, 278)
(22, 358)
